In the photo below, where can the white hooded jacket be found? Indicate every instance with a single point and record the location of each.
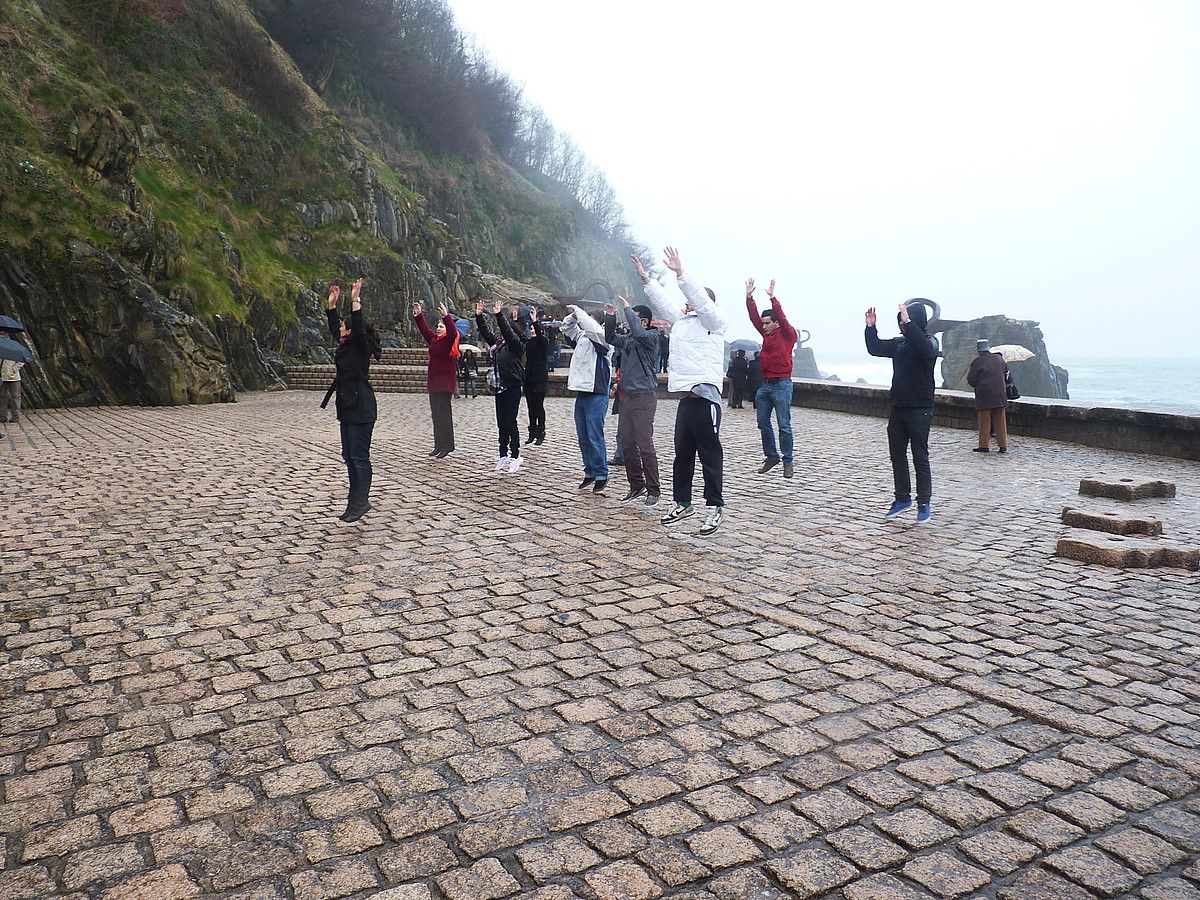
(697, 338)
(589, 372)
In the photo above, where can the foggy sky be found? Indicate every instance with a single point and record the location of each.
(1036, 159)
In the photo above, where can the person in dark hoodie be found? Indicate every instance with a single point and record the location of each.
(357, 342)
(914, 355)
(508, 367)
(753, 377)
(738, 370)
(639, 347)
(537, 377)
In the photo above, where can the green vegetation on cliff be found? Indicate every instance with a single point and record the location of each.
(166, 169)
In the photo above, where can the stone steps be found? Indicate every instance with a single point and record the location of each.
(1122, 539)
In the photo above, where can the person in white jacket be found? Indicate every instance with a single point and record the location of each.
(589, 378)
(697, 367)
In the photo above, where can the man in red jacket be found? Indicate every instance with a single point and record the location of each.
(779, 339)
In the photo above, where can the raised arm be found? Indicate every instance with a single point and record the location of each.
(331, 313)
(921, 342)
(481, 323)
(422, 325)
(515, 344)
(707, 312)
(662, 305)
(752, 307)
(875, 346)
(637, 331)
(785, 326)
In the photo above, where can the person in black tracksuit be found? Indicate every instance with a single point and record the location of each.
(913, 356)
(537, 378)
(357, 342)
(508, 360)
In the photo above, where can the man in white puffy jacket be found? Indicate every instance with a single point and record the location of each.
(589, 378)
(697, 367)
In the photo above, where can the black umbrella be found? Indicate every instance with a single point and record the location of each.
(8, 323)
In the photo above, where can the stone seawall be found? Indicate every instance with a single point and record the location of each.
(1132, 430)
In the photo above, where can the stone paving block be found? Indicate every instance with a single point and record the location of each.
(486, 880)
(562, 857)
(810, 873)
(946, 875)
(168, 883)
(1175, 825)
(722, 847)
(964, 809)
(1127, 552)
(624, 880)
(1171, 889)
(1123, 522)
(672, 865)
(1125, 487)
(421, 858)
(915, 828)
(1044, 829)
(882, 887)
(1038, 884)
(866, 849)
(742, 883)
(1140, 850)
(832, 808)
(1093, 869)
(338, 879)
(998, 851)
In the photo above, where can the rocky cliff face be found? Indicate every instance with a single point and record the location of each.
(177, 247)
(1036, 377)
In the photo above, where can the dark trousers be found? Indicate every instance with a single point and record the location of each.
(737, 391)
(508, 401)
(443, 420)
(910, 425)
(356, 451)
(535, 403)
(636, 431)
(698, 433)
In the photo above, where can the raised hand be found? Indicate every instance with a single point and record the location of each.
(515, 311)
(903, 314)
(533, 314)
(479, 307)
(609, 309)
(497, 307)
(672, 260)
(624, 302)
(335, 291)
(356, 289)
(750, 287)
(870, 317)
(771, 289)
(639, 268)
(416, 308)
(442, 311)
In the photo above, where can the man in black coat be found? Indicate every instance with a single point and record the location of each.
(914, 355)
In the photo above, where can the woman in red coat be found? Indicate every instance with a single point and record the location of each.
(442, 376)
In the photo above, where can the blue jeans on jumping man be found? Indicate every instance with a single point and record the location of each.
(590, 410)
(775, 395)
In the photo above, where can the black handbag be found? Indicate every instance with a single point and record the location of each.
(1010, 387)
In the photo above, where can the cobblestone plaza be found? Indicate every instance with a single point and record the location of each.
(494, 687)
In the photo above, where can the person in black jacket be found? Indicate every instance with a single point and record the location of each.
(913, 356)
(753, 378)
(357, 342)
(508, 365)
(739, 371)
(537, 377)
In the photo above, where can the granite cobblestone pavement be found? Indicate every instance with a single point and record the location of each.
(493, 687)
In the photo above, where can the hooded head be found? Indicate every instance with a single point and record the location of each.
(916, 313)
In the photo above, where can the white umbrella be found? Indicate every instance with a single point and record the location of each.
(1014, 352)
(462, 348)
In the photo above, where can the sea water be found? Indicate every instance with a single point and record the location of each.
(1169, 385)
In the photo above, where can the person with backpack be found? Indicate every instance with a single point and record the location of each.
(505, 379)
(357, 341)
(697, 368)
(914, 355)
(441, 376)
(537, 377)
(589, 376)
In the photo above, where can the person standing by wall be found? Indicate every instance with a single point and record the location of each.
(753, 377)
(10, 390)
(697, 367)
(989, 376)
(441, 376)
(357, 341)
(508, 375)
(775, 392)
(913, 356)
(639, 347)
(537, 377)
(589, 377)
(739, 368)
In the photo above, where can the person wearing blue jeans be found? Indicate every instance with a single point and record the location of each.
(774, 394)
(589, 377)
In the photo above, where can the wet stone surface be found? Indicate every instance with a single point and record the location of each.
(495, 687)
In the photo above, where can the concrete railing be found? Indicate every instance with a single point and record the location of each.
(1133, 430)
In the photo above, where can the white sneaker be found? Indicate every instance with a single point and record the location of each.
(514, 465)
(502, 463)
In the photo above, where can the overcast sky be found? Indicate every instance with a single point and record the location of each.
(1036, 159)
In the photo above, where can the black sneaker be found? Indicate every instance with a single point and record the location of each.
(634, 493)
(356, 512)
(651, 500)
(529, 440)
(599, 486)
(538, 440)
(434, 452)
(442, 454)
(583, 484)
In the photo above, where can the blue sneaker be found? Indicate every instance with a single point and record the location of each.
(898, 507)
(924, 513)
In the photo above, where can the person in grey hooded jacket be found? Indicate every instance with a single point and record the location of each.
(639, 388)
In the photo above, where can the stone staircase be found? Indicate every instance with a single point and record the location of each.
(402, 371)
